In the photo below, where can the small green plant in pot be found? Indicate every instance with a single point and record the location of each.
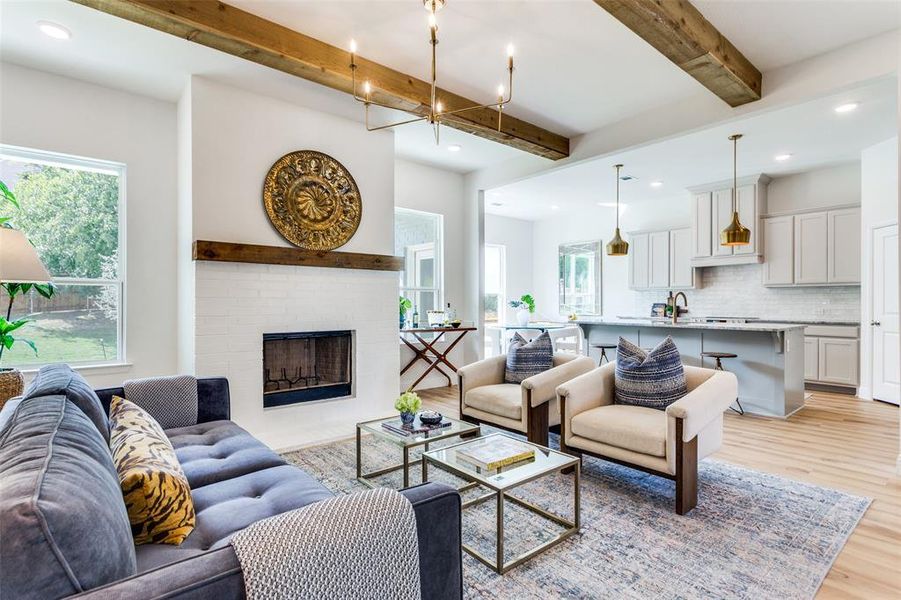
(525, 308)
(405, 305)
(408, 404)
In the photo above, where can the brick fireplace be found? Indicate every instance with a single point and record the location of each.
(304, 366)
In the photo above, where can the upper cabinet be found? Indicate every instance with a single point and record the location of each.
(812, 248)
(712, 212)
(661, 260)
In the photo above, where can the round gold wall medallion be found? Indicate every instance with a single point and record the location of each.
(312, 200)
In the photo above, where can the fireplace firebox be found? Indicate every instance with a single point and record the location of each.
(306, 366)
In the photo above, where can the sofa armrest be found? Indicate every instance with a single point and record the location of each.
(544, 385)
(489, 371)
(217, 574)
(587, 391)
(704, 403)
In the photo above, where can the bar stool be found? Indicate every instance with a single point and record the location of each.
(604, 347)
(718, 356)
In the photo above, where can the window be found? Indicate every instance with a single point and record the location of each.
(495, 274)
(580, 278)
(418, 238)
(71, 210)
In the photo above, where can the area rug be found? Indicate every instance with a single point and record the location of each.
(752, 535)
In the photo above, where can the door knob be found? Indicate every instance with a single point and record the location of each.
(875, 323)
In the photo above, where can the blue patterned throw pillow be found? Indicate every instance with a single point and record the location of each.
(652, 379)
(525, 359)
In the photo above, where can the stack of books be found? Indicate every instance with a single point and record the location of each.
(494, 454)
(415, 428)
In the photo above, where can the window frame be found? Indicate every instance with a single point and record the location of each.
(438, 288)
(67, 161)
(502, 294)
(564, 249)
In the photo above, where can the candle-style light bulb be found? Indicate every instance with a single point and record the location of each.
(353, 46)
(432, 22)
(367, 89)
(509, 56)
(439, 107)
(500, 93)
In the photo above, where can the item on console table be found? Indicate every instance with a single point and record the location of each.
(414, 428)
(437, 318)
(12, 384)
(495, 453)
(430, 417)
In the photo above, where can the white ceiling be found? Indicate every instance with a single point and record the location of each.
(577, 68)
(812, 133)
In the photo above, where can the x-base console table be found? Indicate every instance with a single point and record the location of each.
(433, 357)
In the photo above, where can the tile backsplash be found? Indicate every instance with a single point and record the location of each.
(738, 291)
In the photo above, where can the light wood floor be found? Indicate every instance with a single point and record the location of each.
(835, 441)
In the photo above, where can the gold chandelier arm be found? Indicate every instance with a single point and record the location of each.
(388, 126)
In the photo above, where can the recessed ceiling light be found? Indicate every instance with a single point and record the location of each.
(656, 183)
(57, 32)
(782, 157)
(848, 107)
(554, 207)
(455, 148)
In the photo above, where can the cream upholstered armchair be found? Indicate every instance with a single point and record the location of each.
(529, 407)
(666, 443)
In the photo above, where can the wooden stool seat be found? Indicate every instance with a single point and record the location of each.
(604, 346)
(718, 356)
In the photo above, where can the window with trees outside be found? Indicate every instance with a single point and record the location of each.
(418, 238)
(72, 212)
(495, 273)
(580, 278)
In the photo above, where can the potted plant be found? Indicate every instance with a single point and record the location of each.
(525, 307)
(405, 305)
(23, 262)
(407, 404)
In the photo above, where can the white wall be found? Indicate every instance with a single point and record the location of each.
(57, 114)
(516, 237)
(235, 137)
(879, 206)
(425, 188)
(828, 186)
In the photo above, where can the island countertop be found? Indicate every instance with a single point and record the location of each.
(687, 323)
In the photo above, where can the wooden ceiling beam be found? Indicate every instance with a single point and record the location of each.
(681, 33)
(243, 34)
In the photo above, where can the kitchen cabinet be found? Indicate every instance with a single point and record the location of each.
(658, 259)
(661, 260)
(832, 355)
(712, 212)
(812, 248)
(681, 273)
(778, 244)
(843, 245)
(638, 261)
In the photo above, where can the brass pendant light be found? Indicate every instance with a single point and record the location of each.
(617, 246)
(735, 234)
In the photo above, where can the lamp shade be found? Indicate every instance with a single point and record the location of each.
(19, 262)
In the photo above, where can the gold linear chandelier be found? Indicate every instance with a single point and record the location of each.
(436, 109)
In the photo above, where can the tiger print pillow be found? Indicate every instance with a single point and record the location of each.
(156, 491)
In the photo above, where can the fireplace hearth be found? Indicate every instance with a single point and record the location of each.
(306, 366)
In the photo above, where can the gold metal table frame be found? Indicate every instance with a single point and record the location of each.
(498, 564)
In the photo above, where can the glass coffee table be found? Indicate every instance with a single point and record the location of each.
(406, 443)
(501, 481)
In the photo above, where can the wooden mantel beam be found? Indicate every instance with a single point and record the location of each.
(681, 33)
(243, 34)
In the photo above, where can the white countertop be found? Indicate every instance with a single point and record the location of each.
(685, 323)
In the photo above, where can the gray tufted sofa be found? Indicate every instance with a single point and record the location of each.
(63, 527)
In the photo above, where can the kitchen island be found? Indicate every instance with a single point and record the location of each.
(770, 363)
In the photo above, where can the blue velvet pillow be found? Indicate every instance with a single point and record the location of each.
(652, 379)
(525, 359)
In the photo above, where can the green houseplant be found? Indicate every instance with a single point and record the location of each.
(525, 308)
(405, 305)
(408, 404)
(20, 264)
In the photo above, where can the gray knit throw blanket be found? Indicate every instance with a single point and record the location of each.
(360, 546)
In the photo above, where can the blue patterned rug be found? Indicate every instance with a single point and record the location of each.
(753, 535)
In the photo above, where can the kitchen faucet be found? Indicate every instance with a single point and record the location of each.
(676, 305)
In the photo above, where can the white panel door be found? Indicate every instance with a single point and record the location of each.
(747, 212)
(638, 262)
(680, 272)
(886, 339)
(702, 226)
(811, 358)
(658, 249)
(779, 250)
(722, 216)
(810, 248)
(843, 236)
(838, 360)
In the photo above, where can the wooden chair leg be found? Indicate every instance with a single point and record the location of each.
(537, 423)
(686, 471)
